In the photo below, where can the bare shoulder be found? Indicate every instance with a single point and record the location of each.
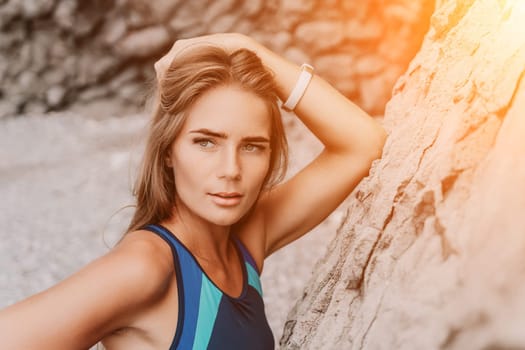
(147, 247)
(144, 259)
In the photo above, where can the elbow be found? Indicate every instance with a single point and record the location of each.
(366, 146)
(377, 143)
(374, 151)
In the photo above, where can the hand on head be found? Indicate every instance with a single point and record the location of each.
(228, 41)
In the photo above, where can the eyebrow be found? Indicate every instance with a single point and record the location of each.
(223, 135)
(209, 133)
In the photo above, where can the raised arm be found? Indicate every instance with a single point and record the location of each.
(82, 309)
(351, 139)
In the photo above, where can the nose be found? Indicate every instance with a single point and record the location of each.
(230, 167)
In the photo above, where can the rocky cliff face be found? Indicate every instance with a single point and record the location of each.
(431, 252)
(61, 52)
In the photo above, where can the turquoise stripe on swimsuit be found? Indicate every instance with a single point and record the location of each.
(253, 279)
(210, 299)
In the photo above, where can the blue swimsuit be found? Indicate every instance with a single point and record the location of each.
(209, 318)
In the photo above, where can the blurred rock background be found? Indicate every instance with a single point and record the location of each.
(74, 78)
(57, 53)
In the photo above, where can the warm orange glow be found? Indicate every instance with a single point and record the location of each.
(515, 12)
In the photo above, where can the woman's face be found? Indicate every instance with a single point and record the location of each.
(222, 155)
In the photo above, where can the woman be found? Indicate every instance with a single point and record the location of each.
(209, 207)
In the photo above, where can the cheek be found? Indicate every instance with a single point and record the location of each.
(189, 183)
(259, 170)
(187, 169)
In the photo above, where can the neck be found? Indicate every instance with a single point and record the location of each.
(205, 240)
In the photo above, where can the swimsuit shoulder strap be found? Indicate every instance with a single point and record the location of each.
(251, 267)
(189, 280)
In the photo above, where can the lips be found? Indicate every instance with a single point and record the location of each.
(226, 198)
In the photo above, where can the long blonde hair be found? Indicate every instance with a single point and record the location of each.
(189, 76)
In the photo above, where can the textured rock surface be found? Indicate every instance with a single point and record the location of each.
(91, 50)
(431, 252)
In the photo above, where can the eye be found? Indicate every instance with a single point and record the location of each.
(204, 143)
(250, 147)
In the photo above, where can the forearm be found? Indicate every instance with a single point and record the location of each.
(33, 324)
(337, 122)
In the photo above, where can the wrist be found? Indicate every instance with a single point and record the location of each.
(235, 41)
(305, 76)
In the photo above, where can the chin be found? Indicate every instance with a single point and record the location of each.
(225, 218)
(225, 221)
